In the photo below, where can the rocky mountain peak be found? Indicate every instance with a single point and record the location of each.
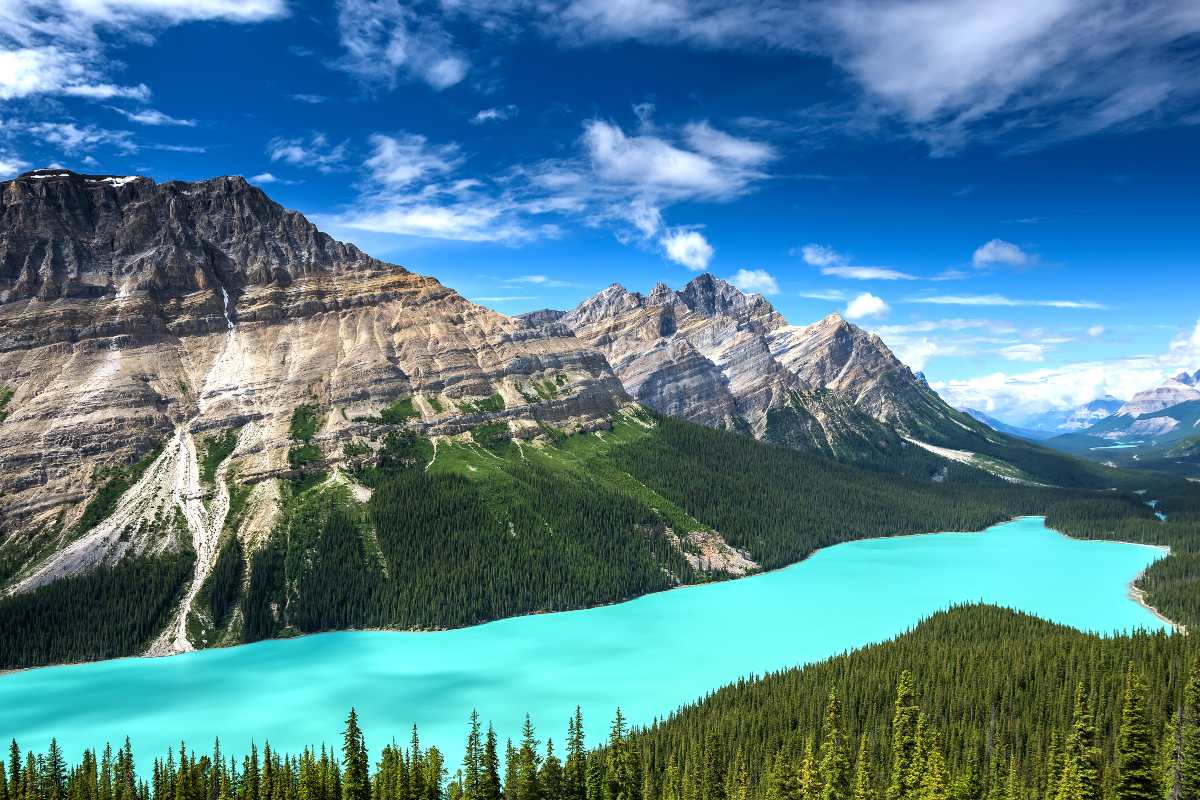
(709, 295)
(65, 234)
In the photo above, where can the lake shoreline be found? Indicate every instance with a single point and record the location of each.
(1134, 593)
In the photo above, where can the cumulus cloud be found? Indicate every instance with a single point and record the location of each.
(688, 248)
(1019, 396)
(721, 167)
(386, 40)
(495, 114)
(755, 280)
(998, 251)
(11, 165)
(54, 47)
(866, 305)
(819, 255)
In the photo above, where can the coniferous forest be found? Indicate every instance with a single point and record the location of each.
(498, 529)
(977, 703)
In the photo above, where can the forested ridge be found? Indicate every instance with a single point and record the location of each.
(475, 531)
(977, 703)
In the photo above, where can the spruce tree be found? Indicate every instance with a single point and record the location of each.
(810, 779)
(904, 739)
(551, 777)
(863, 787)
(835, 763)
(621, 768)
(575, 770)
(1136, 779)
(355, 778)
(781, 778)
(528, 763)
(1189, 738)
(1081, 749)
(935, 783)
(472, 760)
(489, 768)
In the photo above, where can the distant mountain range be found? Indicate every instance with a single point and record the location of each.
(1158, 428)
(1012, 430)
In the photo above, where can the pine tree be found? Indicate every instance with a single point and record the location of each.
(934, 780)
(355, 779)
(1189, 738)
(528, 763)
(489, 768)
(1080, 747)
(1168, 757)
(809, 779)
(737, 779)
(621, 768)
(551, 777)
(863, 787)
(904, 739)
(1135, 745)
(575, 771)
(471, 777)
(781, 778)
(835, 763)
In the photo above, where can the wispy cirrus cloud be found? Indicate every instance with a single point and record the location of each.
(998, 300)
(152, 116)
(1028, 72)
(386, 41)
(867, 273)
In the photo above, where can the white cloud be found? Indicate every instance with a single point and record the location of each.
(385, 39)
(315, 152)
(503, 299)
(53, 47)
(264, 177)
(311, 99)
(538, 280)
(1000, 300)
(71, 138)
(916, 353)
(824, 294)
(1095, 330)
(688, 248)
(11, 165)
(655, 167)
(1023, 352)
(998, 251)
(818, 255)
(1018, 396)
(949, 70)
(866, 305)
(755, 280)
(469, 221)
(721, 146)
(867, 273)
(402, 160)
(151, 116)
(496, 114)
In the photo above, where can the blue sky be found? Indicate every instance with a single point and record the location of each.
(1005, 192)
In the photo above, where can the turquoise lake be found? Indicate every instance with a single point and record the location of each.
(648, 655)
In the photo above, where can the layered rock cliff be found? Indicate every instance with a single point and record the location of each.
(140, 319)
(712, 354)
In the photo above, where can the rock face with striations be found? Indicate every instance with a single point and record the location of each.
(712, 354)
(137, 316)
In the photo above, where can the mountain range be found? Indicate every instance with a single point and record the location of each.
(203, 390)
(1158, 428)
